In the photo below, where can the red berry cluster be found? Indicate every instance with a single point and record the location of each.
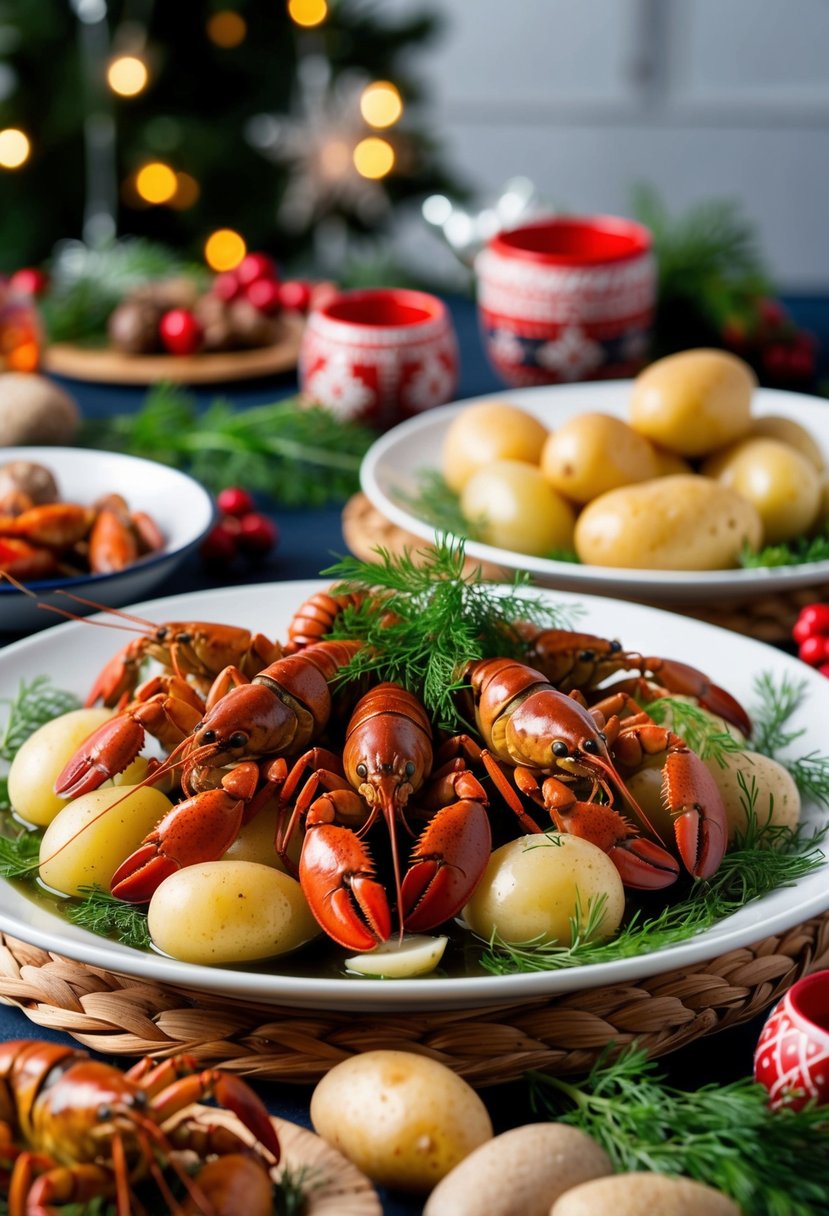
(256, 279)
(767, 337)
(29, 281)
(241, 529)
(811, 632)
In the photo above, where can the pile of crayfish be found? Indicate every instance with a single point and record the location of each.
(74, 1129)
(359, 771)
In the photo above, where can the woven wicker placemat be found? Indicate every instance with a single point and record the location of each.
(566, 1034)
(769, 618)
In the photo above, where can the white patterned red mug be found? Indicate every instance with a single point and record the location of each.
(379, 355)
(792, 1055)
(567, 298)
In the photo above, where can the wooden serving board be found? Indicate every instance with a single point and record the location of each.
(107, 366)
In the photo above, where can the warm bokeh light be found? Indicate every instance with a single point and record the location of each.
(334, 159)
(127, 75)
(380, 104)
(307, 12)
(226, 29)
(14, 148)
(224, 249)
(373, 157)
(187, 192)
(156, 182)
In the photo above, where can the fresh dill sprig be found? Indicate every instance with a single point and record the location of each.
(773, 734)
(298, 454)
(761, 860)
(291, 1192)
(794, 552)
(771, 1163)
(699, 730)
(35, 704)
(107, 916)
(439, 506)
(425, 620)
(20, 855)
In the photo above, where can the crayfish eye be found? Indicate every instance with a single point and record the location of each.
(362, 770)
(560, 749)
(410, 768)
(591, 746)
(209, 736)
(185, 638)
(140, 1098)
(237, 739)
(104, 1112)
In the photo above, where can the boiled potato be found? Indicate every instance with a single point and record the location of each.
(694, 401)
(669, 463)
(773, 426)
(535, 885)
(491, 430)
(255, 841)
(404, 1119)
(635, 1193)
(37, 763)
(86, 842)
(781, 483)
(592, 453)
(513, 507)
(519, 1173)
(222, 912)
(778, 799)
(673, 523)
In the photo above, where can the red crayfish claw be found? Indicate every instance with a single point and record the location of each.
(695, 803)
(107, 751)
(337, 875)
(448, 860)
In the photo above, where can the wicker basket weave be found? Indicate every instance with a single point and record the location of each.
(121, 1016)
(768, 618)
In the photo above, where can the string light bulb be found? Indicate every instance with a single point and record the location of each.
(15, 148)
(227, 29)
(127, 75)
(308, 13)
(374, 157)
(224, 249)
(381, 104)
(156, 182)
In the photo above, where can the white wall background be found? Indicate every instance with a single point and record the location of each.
(701, 98)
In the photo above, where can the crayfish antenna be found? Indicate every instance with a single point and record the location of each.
(139, 626)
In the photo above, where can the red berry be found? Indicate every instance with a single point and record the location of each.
(29, 281)
(814, 618)
(295, 294)
(257, 533)
(256, 266)
(824, 669)
(265, 294)
(814, 650)
(180, 332)
(219, 545)
(226, 286)
(772, 313)
(234, 501)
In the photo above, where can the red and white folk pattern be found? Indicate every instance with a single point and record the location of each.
(792, 1058)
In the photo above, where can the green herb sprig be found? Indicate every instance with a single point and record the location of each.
(20, 855)
(298, 454)
(107, 916)
(795, 552)
(770, 1163)
(35, 704)
(435, 619)
(773, 734)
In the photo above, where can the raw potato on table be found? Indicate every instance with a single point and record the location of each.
(636, 1194)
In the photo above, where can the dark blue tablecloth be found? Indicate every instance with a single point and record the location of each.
(309, 540)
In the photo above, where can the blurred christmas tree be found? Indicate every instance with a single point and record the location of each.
(289, 124)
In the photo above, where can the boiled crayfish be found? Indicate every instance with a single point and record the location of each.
(385, 774)
(73, 1129)
(544, 743)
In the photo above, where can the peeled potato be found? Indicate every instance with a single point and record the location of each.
(491, 430)
(693, 402)
(404, 1119)
(229, 912)
(41, 758)
(778, 480)
(592, 453)
(513, 507)
(671, 523)
(535, 886)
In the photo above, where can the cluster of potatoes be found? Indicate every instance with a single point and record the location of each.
(688, 480)
(410, 1123)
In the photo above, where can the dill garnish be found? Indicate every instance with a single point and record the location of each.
(795, 552)
(771, 1163)
(20, 855)
(107, 916)
(428, 620)
(773, 734)
(35, 704)
(700, 731)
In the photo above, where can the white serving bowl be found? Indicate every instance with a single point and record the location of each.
(182, 508)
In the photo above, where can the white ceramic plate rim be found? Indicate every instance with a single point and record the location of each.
(392, 463)
(72, 467)
(72, 653)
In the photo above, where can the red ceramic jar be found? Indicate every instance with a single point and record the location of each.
(792, 1056)
(567, 298)
(379, 355)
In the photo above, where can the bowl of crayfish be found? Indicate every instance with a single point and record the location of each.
(101, 525)
(313, 778)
